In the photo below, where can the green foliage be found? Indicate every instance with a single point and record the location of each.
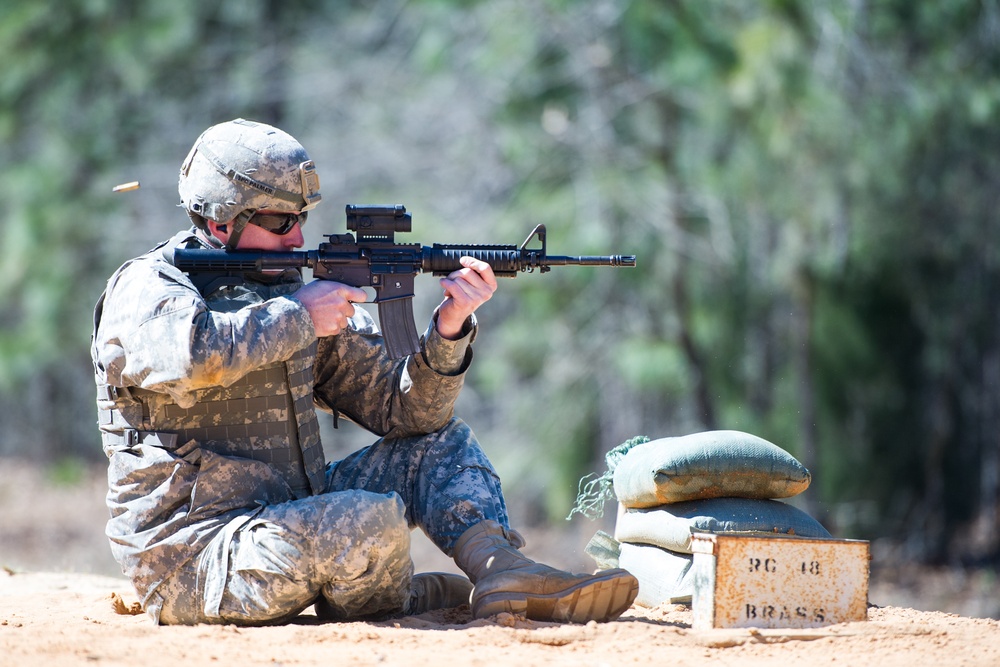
(808, 188)
(759, 166)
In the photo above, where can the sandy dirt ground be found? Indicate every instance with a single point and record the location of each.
(76, 619)
(63, 603)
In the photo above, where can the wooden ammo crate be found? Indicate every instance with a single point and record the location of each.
(778, 582)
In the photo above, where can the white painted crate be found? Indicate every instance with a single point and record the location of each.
(778, 582)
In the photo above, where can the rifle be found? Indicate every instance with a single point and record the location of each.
(375, 260)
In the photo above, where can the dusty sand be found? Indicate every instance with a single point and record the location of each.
(78, 619)
(63, 603)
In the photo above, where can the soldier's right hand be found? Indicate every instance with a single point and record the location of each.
(330, 304)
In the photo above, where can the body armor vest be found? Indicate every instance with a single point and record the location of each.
(267, 415)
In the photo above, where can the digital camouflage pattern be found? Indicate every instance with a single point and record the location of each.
(242, 165)
(350, 546)
(211, 529)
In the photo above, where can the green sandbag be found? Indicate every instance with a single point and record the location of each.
(670, 526)
(711, 464)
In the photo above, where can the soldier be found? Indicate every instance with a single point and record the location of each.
(223, 509)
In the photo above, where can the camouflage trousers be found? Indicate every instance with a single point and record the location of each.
(349, 544)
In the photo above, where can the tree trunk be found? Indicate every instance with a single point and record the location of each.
(802, 333)
(696, 362)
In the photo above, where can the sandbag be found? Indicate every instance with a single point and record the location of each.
(663, 575)
(670, 526)
(711, 464)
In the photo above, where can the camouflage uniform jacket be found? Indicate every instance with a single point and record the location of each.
(157, 336)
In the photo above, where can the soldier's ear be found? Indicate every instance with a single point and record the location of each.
(218, 229)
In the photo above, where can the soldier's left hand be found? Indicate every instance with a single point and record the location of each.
(464, 291)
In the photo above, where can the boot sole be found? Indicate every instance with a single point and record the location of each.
(604, 597)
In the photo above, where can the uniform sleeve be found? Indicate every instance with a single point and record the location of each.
(394, 398)
(154, 330)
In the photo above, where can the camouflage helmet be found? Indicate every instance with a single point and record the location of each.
(239, 167)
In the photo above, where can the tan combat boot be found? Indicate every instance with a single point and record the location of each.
(428, 591)
(505, 580)
(437, 590)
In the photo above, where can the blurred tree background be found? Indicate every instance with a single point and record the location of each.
(809, 188)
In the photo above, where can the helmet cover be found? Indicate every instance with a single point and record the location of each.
(239, 167)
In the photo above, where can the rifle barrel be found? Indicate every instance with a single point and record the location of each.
(591, 260)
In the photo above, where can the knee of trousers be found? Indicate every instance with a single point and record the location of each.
(358, 532)
(456, 441)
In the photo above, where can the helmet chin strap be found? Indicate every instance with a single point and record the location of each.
(239, 224)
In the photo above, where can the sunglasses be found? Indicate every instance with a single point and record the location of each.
(278, 223)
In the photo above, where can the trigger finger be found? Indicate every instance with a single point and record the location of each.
(354, 294)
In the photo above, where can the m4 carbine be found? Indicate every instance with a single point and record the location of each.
(375, 260)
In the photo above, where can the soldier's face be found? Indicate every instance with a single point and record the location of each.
(258, 238)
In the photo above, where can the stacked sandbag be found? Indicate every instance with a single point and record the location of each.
(725, 482)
